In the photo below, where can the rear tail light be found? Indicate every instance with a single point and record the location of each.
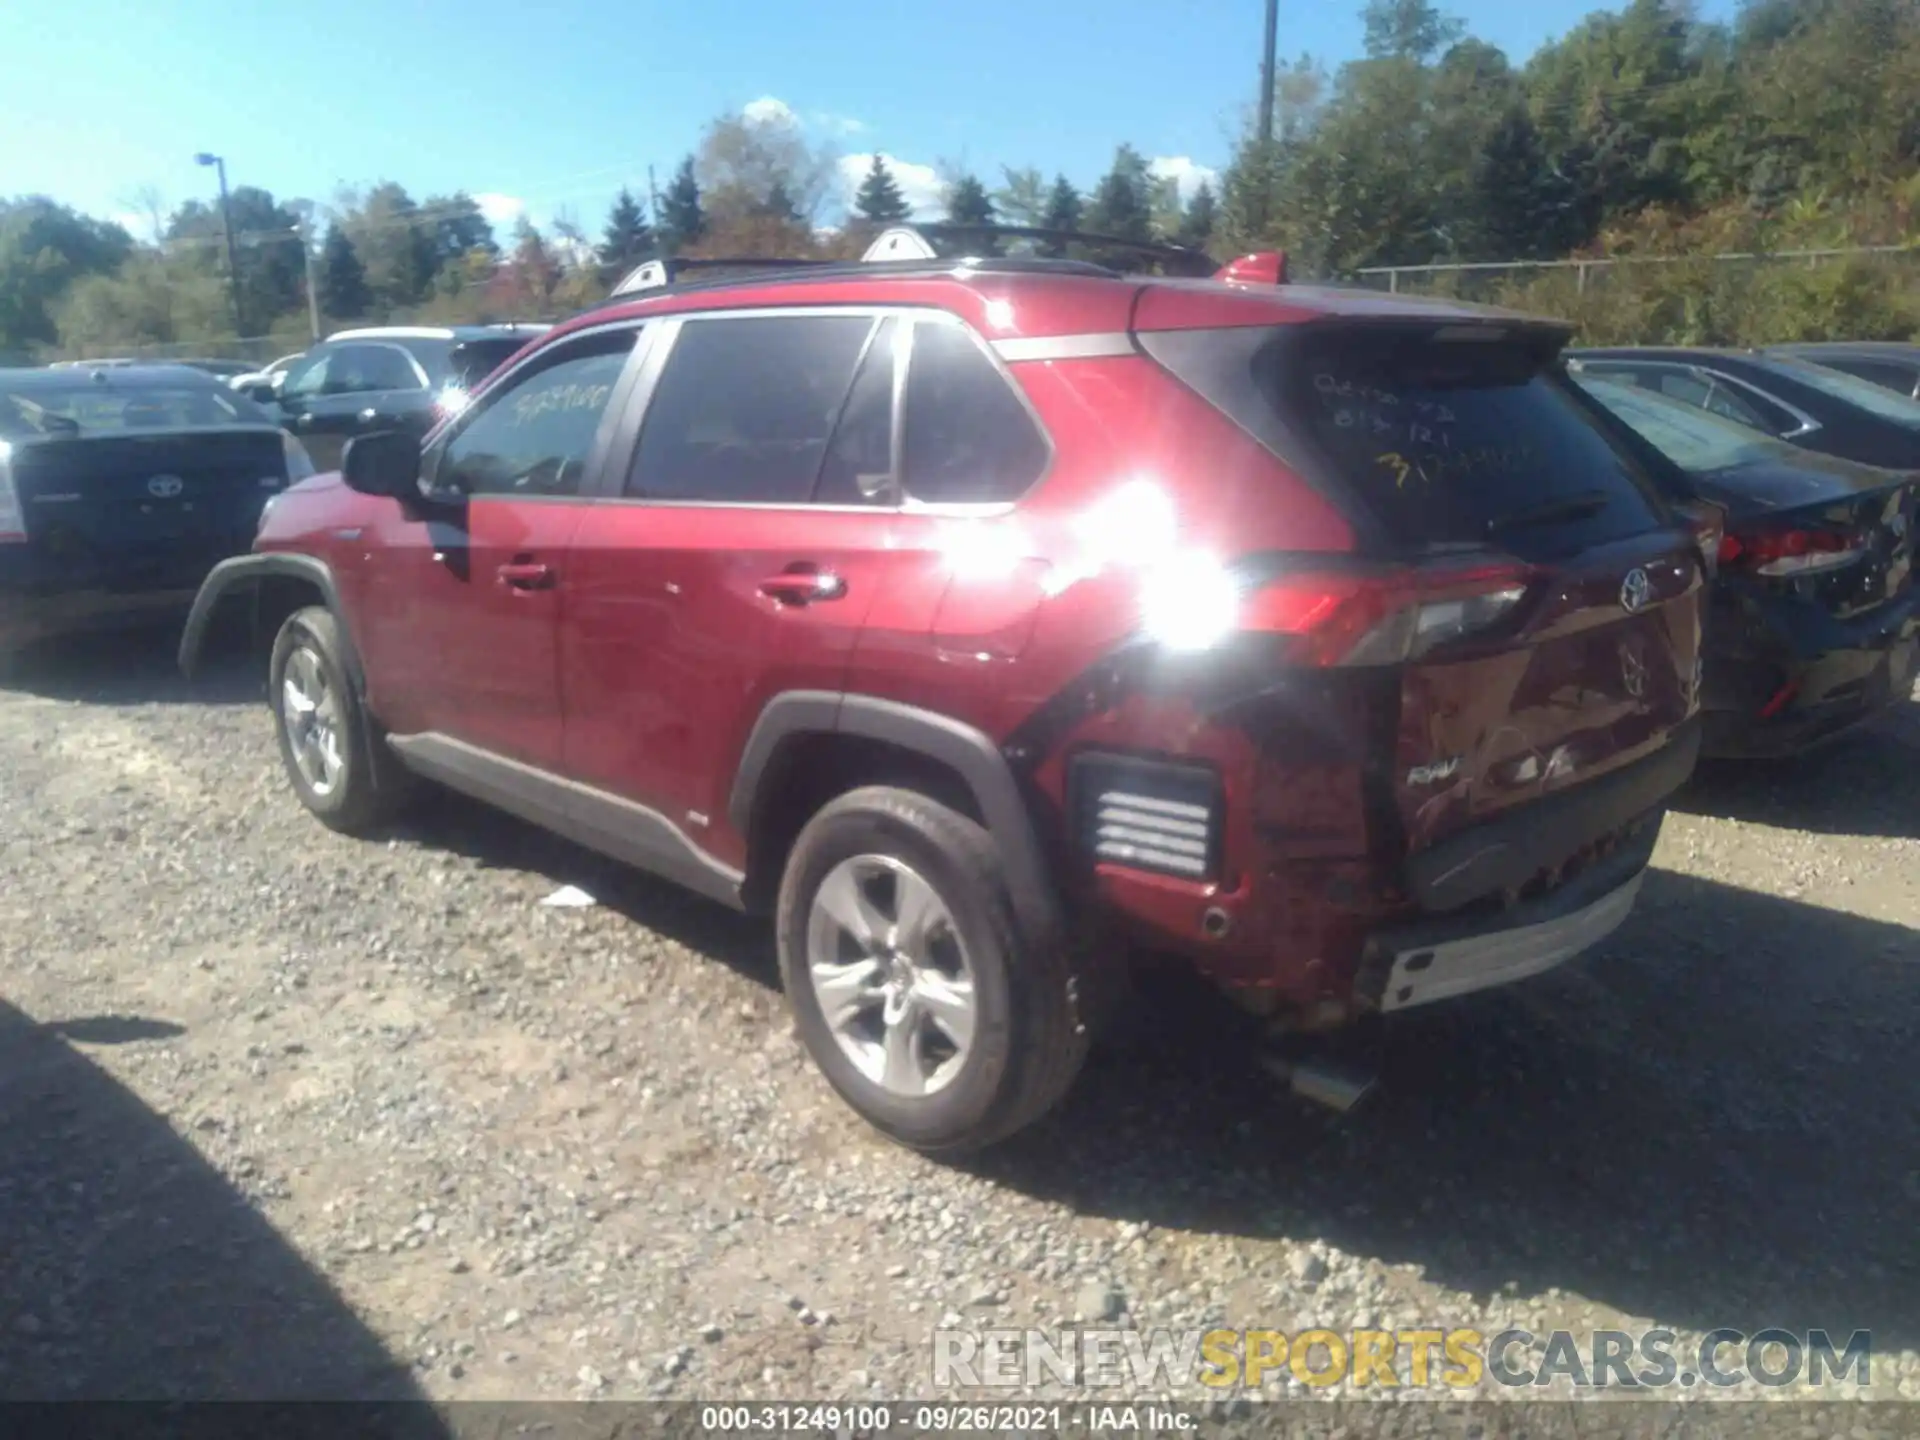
(1384, 619)
(13, 518)
(1791, 552)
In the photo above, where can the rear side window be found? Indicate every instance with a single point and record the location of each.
(1902, 380)
(1442, 442)
(968, 438)
(744, 409)
(859, 465)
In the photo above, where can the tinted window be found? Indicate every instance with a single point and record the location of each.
(1858, 393)
(744, 408)
(357, 369)
(859, 464)
(1898, 378)
(308, 374)
(103, 409)
(1447, 442)
(1692, 438)
(967, 437)
(1706, 393)
(534, 436)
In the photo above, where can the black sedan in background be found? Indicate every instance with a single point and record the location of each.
(1816, 407)
(1889, 364)
(121, 487)
(1812, 619)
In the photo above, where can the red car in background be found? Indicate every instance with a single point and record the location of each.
(953, 611)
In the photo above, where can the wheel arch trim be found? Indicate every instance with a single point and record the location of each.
(243, 572)
(959, 747)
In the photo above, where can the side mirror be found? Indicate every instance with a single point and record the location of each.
(383, 462)
(263, 393)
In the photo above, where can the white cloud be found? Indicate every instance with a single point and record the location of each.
(769, 110)
(500, 209)
(134, 223)
(1185, 171)
(836, 124)
(920, 185)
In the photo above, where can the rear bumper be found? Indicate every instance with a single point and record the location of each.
(1785, 681)
(1433, 960)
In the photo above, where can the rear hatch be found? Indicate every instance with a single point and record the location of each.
(1527, 602)
(143, 510)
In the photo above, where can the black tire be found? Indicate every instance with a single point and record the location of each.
(1027, 1044)
(371, 785)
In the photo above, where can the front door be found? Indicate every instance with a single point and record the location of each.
(463, 600)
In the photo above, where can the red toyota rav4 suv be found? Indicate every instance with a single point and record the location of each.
(958, 612)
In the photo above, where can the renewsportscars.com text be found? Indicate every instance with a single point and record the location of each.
(1456, 1359)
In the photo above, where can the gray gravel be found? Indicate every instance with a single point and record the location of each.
(290, 1114)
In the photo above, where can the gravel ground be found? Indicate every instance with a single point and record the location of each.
(292, 1115)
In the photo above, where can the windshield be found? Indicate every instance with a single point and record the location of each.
(1861, 393)
(1692, 438)
(92, 409)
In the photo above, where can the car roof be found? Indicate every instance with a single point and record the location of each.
(504, 331)
(1081, 289)
(107, 376)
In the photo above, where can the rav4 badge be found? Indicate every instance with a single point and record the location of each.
(1428, 774)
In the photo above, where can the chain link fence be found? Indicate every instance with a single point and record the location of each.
(1859, 293)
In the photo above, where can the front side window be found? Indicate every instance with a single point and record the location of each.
(967, 438)
(308, 377)
(1858, 393)
(534, 436)
(744, 410)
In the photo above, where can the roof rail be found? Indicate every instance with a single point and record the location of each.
(658, 274)
(933, 242)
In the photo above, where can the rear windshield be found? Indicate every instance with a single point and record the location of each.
(473, 360)
(1444, 442)
(1861, 393)
(95, 409)
(1692, 438)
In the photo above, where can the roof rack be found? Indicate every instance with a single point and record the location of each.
(932, 241)
(657, 274)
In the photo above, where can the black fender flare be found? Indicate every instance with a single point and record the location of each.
(243, 573)
(958, 746)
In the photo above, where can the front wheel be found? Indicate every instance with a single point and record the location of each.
(910, 981)
(340, 768)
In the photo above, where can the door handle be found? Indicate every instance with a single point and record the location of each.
(797, 586)
(526, 575)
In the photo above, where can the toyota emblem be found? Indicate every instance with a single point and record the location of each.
(165, 487)
(1635, 591)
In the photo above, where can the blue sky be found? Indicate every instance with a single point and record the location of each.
(550, 105)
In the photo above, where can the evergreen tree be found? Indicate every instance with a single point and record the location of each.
(879, 201)
(779, 205)
(1509, 212)
(343, 279)
(1063, 211)
(968, 203)
(683, 221)
(1196, 226)
(628, 238)
(1122, 204)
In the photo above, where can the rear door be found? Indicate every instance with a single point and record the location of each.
(723, 573)
(1558, 633)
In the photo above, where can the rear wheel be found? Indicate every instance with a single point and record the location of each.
(339, 765)
(910, 982)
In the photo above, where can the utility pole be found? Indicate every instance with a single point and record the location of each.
(653, 201)
(313, 294)
(226, 224)
(1266, 71)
